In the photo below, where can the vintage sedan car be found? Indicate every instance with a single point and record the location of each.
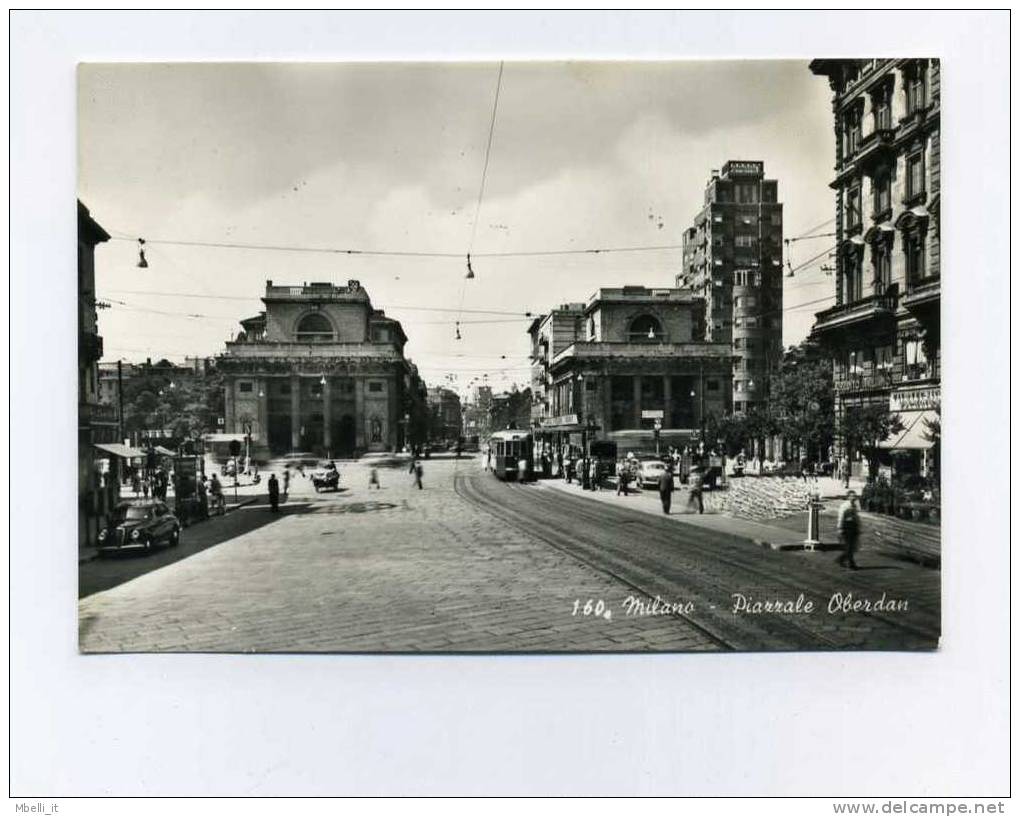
(649, 471)
(139, 525)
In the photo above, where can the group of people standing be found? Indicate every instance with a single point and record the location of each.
(156, 483)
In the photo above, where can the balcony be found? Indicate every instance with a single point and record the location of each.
(923, 298)
(874, 309)
(877, 147)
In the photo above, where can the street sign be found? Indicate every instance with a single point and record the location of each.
(652, 414)
(658, 424)
(219, 421)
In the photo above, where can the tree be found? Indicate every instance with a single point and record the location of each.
(933, 434)
(188, 405)
(801, 400)
(864, 427)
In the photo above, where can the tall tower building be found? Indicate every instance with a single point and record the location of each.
(732, 257)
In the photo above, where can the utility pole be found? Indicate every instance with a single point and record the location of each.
(120, 401)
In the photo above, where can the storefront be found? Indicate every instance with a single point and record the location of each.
(913, 448)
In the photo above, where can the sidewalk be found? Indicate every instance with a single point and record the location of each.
(87, 554)
(918, 541)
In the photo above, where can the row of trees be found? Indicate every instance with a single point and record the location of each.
(187, 406)
(801, 408)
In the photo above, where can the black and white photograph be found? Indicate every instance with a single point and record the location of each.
(510, 356)
(510, 404)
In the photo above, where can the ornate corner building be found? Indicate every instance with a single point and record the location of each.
(883, 332)
(321, 370)
(732, 257)
(629, 364)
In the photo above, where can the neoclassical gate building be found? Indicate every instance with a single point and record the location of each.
(320, 370)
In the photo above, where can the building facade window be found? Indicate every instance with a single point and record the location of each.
(882, 195)
(884, 357)
(314, 328)
(916, 87)
(881, 103)
(245, 387)
(375, 386)
(913, 248)
(644, 328)
(853, 208)
(915, 175)
(852, 131)
(881, 257)
(915, 361)
(853, 289)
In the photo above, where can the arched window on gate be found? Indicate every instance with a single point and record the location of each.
(314, 328)
(645, 328)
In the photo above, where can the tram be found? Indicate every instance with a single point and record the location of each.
(506, 450)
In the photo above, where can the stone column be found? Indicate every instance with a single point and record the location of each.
(295, 412)
(606, 392)
(228, 406)
(327, 415)
(667, 401)
(360, 438)
(262, 415)
(637, 401)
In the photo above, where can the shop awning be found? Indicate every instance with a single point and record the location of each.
(119, 450)
(914, 432)
(220, 437)
(164, 452)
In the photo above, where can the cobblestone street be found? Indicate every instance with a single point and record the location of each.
(406, 570)
(395, 569)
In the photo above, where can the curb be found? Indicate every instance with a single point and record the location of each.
(89, 557)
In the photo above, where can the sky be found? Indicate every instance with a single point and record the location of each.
(391, 156)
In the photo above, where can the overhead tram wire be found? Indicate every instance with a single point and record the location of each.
(382, 306)
(481, 195)
(403, 253)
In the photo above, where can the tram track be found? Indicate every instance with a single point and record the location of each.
(661, 558)
(805, 581)
(468, 491)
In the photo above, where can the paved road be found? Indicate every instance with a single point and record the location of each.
(679, 558)
(471, 564)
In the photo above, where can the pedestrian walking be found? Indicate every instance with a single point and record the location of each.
(522, 469)
(286, 481)
(593, 473)
(418, 471)
(373, 479)
(666, 490)
(848, 524)
(203, 499)
(145, 487)
(274, 493)
(695, 482)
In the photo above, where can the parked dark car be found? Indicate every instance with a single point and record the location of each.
(139, 525)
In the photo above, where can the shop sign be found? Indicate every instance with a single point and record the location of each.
(562, 420)
(915, 399)
(863, 382)
(652, 414)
